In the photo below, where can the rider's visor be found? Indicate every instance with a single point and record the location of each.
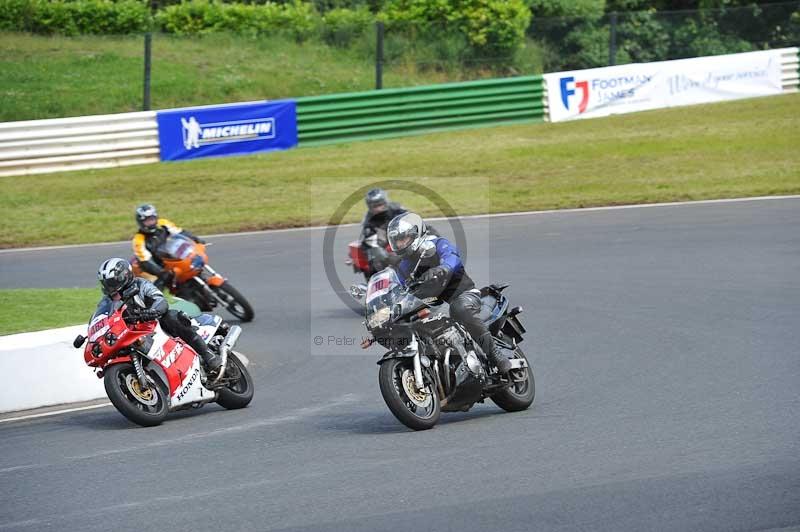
(150, 221)
(377, 208)
(402, 243)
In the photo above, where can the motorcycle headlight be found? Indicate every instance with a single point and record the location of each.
(378, 318)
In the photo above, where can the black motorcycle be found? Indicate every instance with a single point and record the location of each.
(432, 363)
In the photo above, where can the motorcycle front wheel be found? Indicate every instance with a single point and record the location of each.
(234, 301)
(416, 409)
(239, 393)
(145, 407)
(521, 392)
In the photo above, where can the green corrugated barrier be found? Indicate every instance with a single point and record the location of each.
(396, 112)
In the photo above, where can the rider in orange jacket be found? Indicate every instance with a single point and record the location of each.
(153, 231)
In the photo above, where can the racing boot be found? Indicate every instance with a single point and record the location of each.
(496, 357)
(211, 361)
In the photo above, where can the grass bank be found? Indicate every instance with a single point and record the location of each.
(734, 149)
(34, 309)
(57, 76)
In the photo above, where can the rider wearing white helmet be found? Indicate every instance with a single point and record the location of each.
(443, 275)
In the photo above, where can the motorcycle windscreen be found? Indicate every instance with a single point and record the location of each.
(382, 291)
(176, 247)
(99, 323)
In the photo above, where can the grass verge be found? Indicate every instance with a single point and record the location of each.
(57, 76)
(34, 309)
(733, 149)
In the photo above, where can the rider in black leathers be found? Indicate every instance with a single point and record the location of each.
(442, 275)
(380, 211)
(119, 284)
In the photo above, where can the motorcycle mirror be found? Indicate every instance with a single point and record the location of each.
(358, 292)
(138, 300)
(78, 342)
(427, 249)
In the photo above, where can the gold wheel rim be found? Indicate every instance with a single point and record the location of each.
(417, 396)
(146, 397)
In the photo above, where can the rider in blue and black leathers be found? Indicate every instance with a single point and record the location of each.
(442, 275)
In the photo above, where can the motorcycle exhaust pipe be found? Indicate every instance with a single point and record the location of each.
(226, 346)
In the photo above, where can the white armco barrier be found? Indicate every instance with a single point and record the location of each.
(42, 369)
(636, 87)
(790, 63)
(101, 141)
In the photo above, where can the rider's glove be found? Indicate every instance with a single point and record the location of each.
(148, 314)
(431, 283)
(433, 275)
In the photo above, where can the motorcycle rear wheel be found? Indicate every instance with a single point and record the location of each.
(234, 301)
(420, 412)
(147, 408)
(518, 395)
(240, 393)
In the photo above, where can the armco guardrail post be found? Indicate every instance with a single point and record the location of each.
(379, 55)
(612, 39)
(148, 38)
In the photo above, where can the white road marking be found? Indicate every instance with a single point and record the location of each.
(54, 412)
(465, 217)
(294, 416)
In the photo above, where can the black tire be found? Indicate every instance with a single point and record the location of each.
(235, 302)
(240, 393)
(116, 381)
(404, 408)
(518, 396)
(194, 293)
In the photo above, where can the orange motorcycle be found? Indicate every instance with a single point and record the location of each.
(193, 278)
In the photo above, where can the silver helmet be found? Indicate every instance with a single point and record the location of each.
(405, 233)
(114, 275)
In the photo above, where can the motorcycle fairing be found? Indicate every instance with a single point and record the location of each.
(174, 356)
(467, 390)
(190, 389)
(207, 325)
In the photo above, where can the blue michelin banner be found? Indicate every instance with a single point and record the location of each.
(231, 129)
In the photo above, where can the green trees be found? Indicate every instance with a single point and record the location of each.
(578, 34)
(74, 18)
(515, 35)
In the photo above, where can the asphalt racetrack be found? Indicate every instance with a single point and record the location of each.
(666, 346)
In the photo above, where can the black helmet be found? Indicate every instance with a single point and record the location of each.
(377, 200)
(405, 233)
(147, 218)
(115, 275)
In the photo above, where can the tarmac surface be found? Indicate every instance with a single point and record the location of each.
(664, 342)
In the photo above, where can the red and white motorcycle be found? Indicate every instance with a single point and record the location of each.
(148, 373)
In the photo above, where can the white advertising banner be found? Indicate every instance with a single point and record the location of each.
(642, 86)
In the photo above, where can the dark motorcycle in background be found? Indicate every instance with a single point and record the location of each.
(432, 363)
(371, 254)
